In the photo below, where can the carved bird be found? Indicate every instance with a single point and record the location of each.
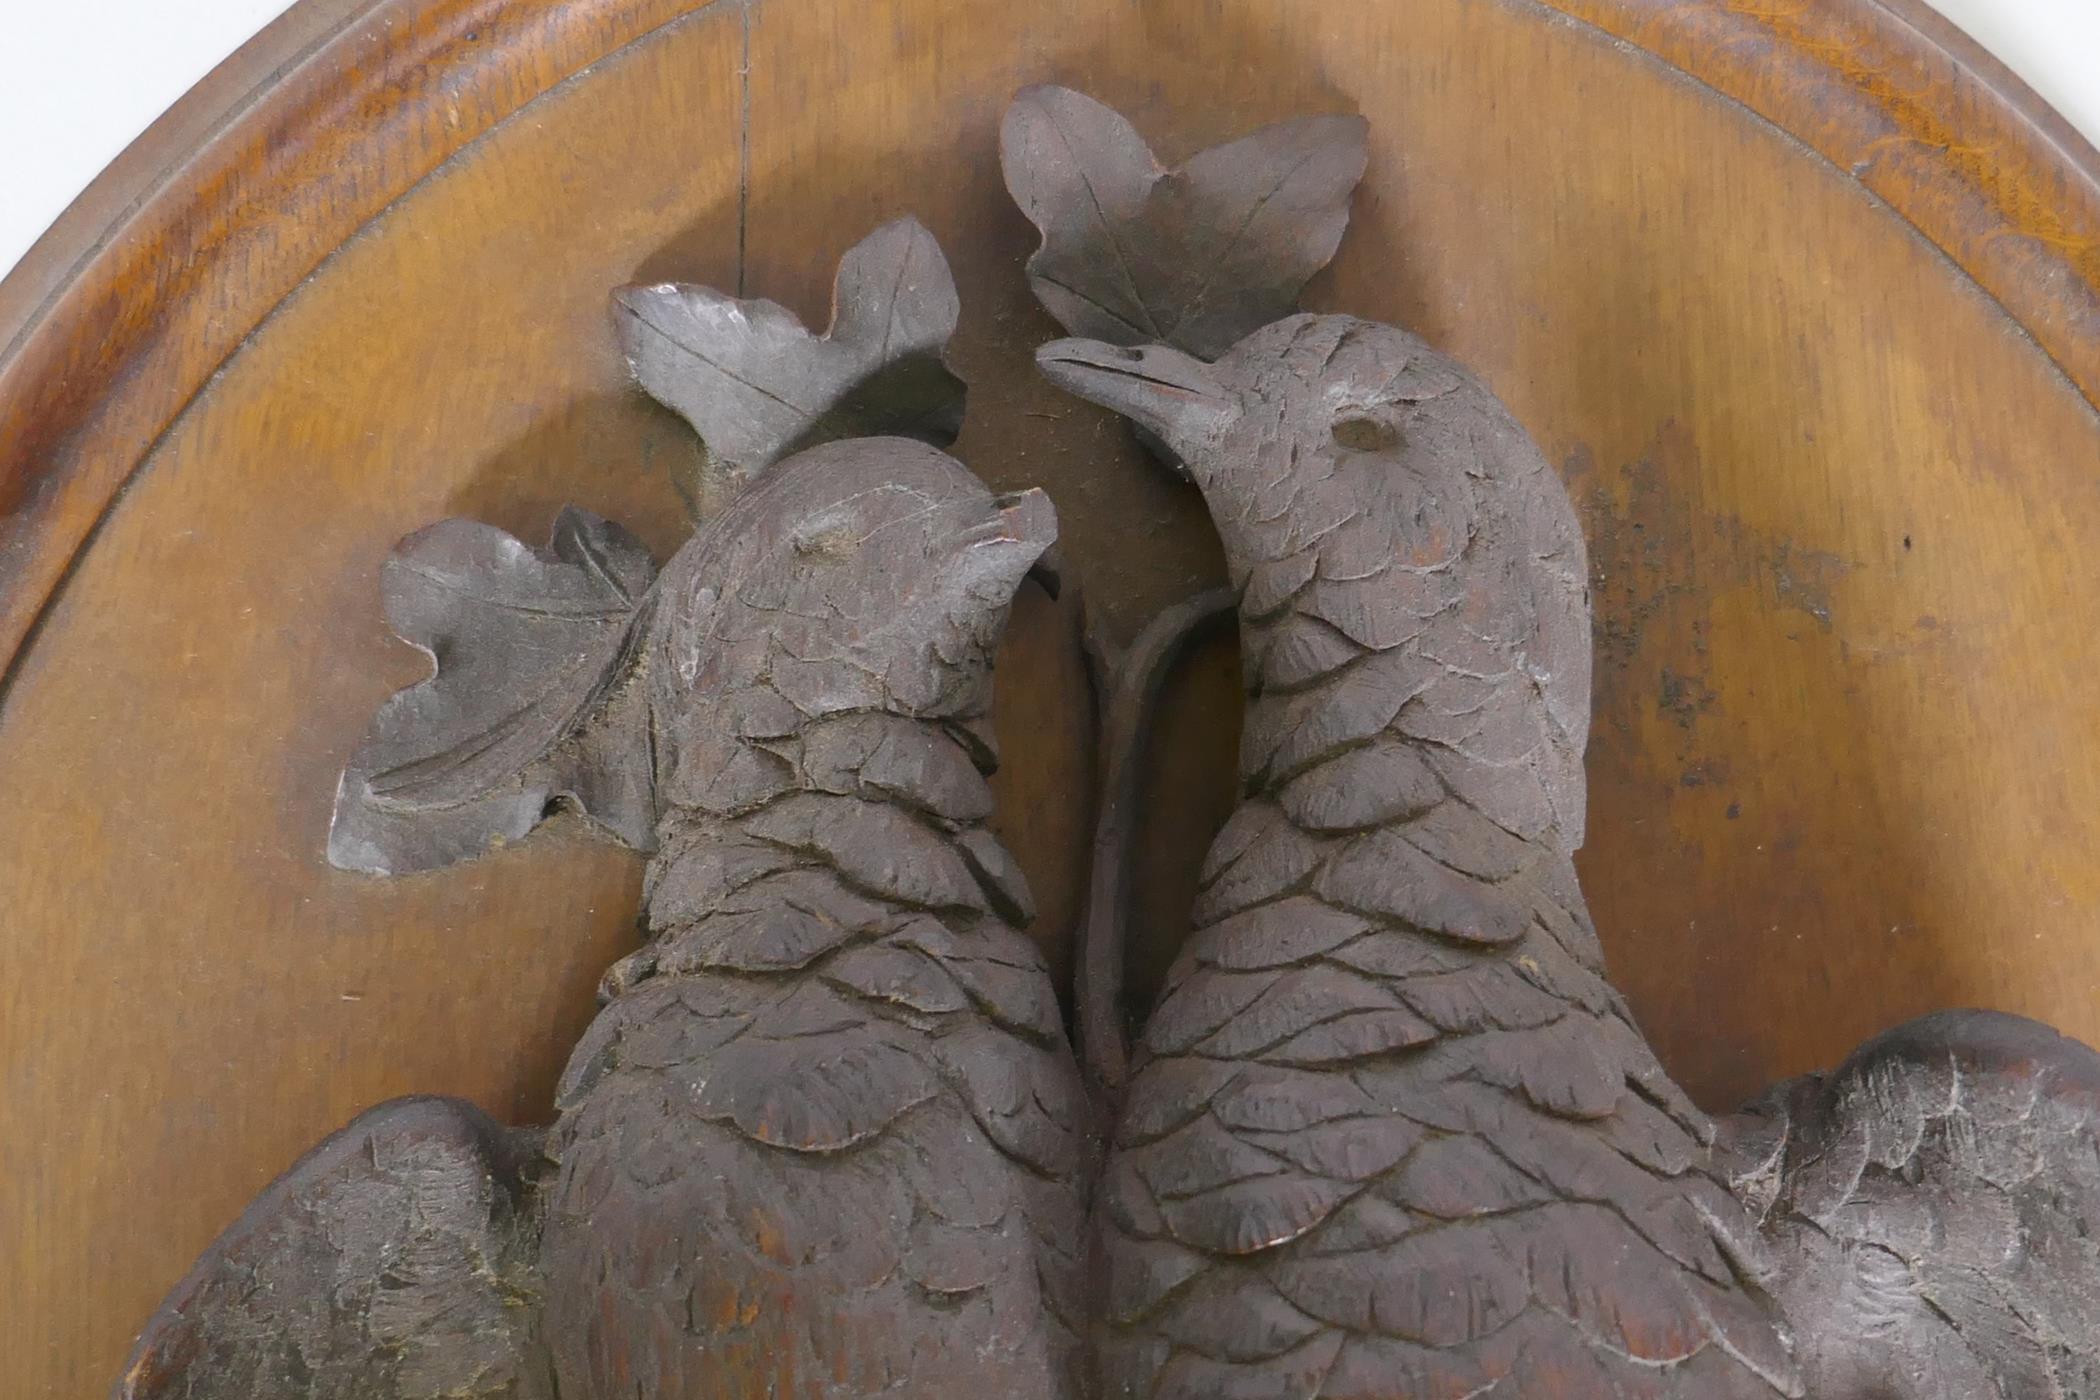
(825, 1137)
(1390, 1131)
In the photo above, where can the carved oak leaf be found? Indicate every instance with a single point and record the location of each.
(531, 699)
(1197, 257)
(758, 386)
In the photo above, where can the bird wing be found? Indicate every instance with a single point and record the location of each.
(394, 1261)
(1936, 1202)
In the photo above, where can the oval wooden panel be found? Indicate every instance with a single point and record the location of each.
(1807, 306)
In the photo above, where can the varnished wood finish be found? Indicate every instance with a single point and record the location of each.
(1806, 330)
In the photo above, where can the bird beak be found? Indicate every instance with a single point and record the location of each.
(1031, 517)
(1014, 541)
(1175, 397)
(1048, 571)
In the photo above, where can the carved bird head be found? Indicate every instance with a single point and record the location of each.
(1381, 490)
(1305, 389)
(868, 574)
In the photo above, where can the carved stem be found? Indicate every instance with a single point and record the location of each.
(1103, 1038)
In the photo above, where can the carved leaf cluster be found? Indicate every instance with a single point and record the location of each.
(520, 710)
(1196, 257)
(757, 385)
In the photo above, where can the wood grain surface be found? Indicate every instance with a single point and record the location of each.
(1802, 303)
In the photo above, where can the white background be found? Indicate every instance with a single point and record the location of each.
(79, 80)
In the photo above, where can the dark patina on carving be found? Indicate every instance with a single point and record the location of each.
(1391, 1131)
(825, 1137)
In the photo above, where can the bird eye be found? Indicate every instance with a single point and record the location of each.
(1362, 434)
